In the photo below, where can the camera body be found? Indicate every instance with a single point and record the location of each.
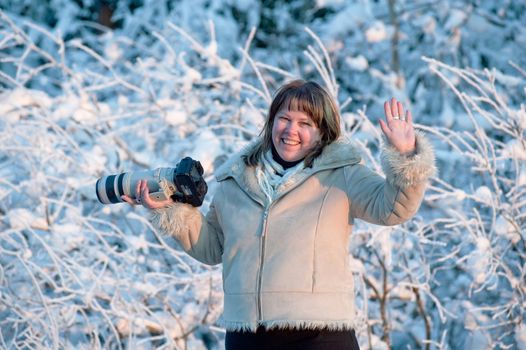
(184, 183)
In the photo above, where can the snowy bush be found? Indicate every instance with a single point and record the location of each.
(193, 78)
(459, 266)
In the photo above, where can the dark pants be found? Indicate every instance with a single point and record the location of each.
(277, 339)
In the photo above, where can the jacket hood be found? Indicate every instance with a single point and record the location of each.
(337, 154)
(340, 152)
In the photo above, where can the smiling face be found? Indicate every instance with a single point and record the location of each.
(294, 135)
(302, 119)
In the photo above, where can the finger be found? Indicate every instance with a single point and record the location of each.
(144, 189)
(127, 199)
(138, 189)
(145, 194)
(148, 201)
(400, 110)
(385, 128)
(409, 117)
(394, 108)
(387, 111)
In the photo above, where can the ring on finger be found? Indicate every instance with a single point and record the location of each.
(396, 118)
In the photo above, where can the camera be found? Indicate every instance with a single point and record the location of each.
(184, 183)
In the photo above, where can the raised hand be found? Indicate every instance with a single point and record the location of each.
(142, 196)
(399, 128)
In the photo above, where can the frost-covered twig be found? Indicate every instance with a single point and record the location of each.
(324, 66)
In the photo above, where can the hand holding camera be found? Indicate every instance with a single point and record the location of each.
(156, 188)
(142, 197)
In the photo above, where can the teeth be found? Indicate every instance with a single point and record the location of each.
(290, 142)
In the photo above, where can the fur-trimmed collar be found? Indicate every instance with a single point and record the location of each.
(337, 154)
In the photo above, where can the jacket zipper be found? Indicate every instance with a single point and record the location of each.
(262, 250)
(264, 234)
(261, 261)
(263, 240)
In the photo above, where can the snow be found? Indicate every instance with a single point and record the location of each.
(358, 63)
(515, 149)
(480, 259)
(12, 103)
(95, 160)
(448, 117)
(484, 194)
(520, 336)
(477, 340)
(329, 3)
(377, 32)
(112, 50)
(138, 243)
(521, 116)
(78, 102)
(428, 24)
(207, 149)
(345, 20)
(521, 178)
(505, 228)
(174, 113)
(455, 19)
(20, 218)
(69, 236)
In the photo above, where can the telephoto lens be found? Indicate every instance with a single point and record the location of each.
(110, 188)
(184, 183)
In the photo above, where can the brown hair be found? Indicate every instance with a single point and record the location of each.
(307, 97)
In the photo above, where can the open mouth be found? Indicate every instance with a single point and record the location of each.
(290, 142)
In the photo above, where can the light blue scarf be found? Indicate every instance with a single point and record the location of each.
(270, 174)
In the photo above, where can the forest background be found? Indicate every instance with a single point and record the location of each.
(96, 87)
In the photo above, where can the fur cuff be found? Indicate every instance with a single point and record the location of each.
(175, 220)
(405, 171)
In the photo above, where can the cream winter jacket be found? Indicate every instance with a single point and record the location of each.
(286, 263)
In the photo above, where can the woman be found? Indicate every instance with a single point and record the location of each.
(282, 214)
